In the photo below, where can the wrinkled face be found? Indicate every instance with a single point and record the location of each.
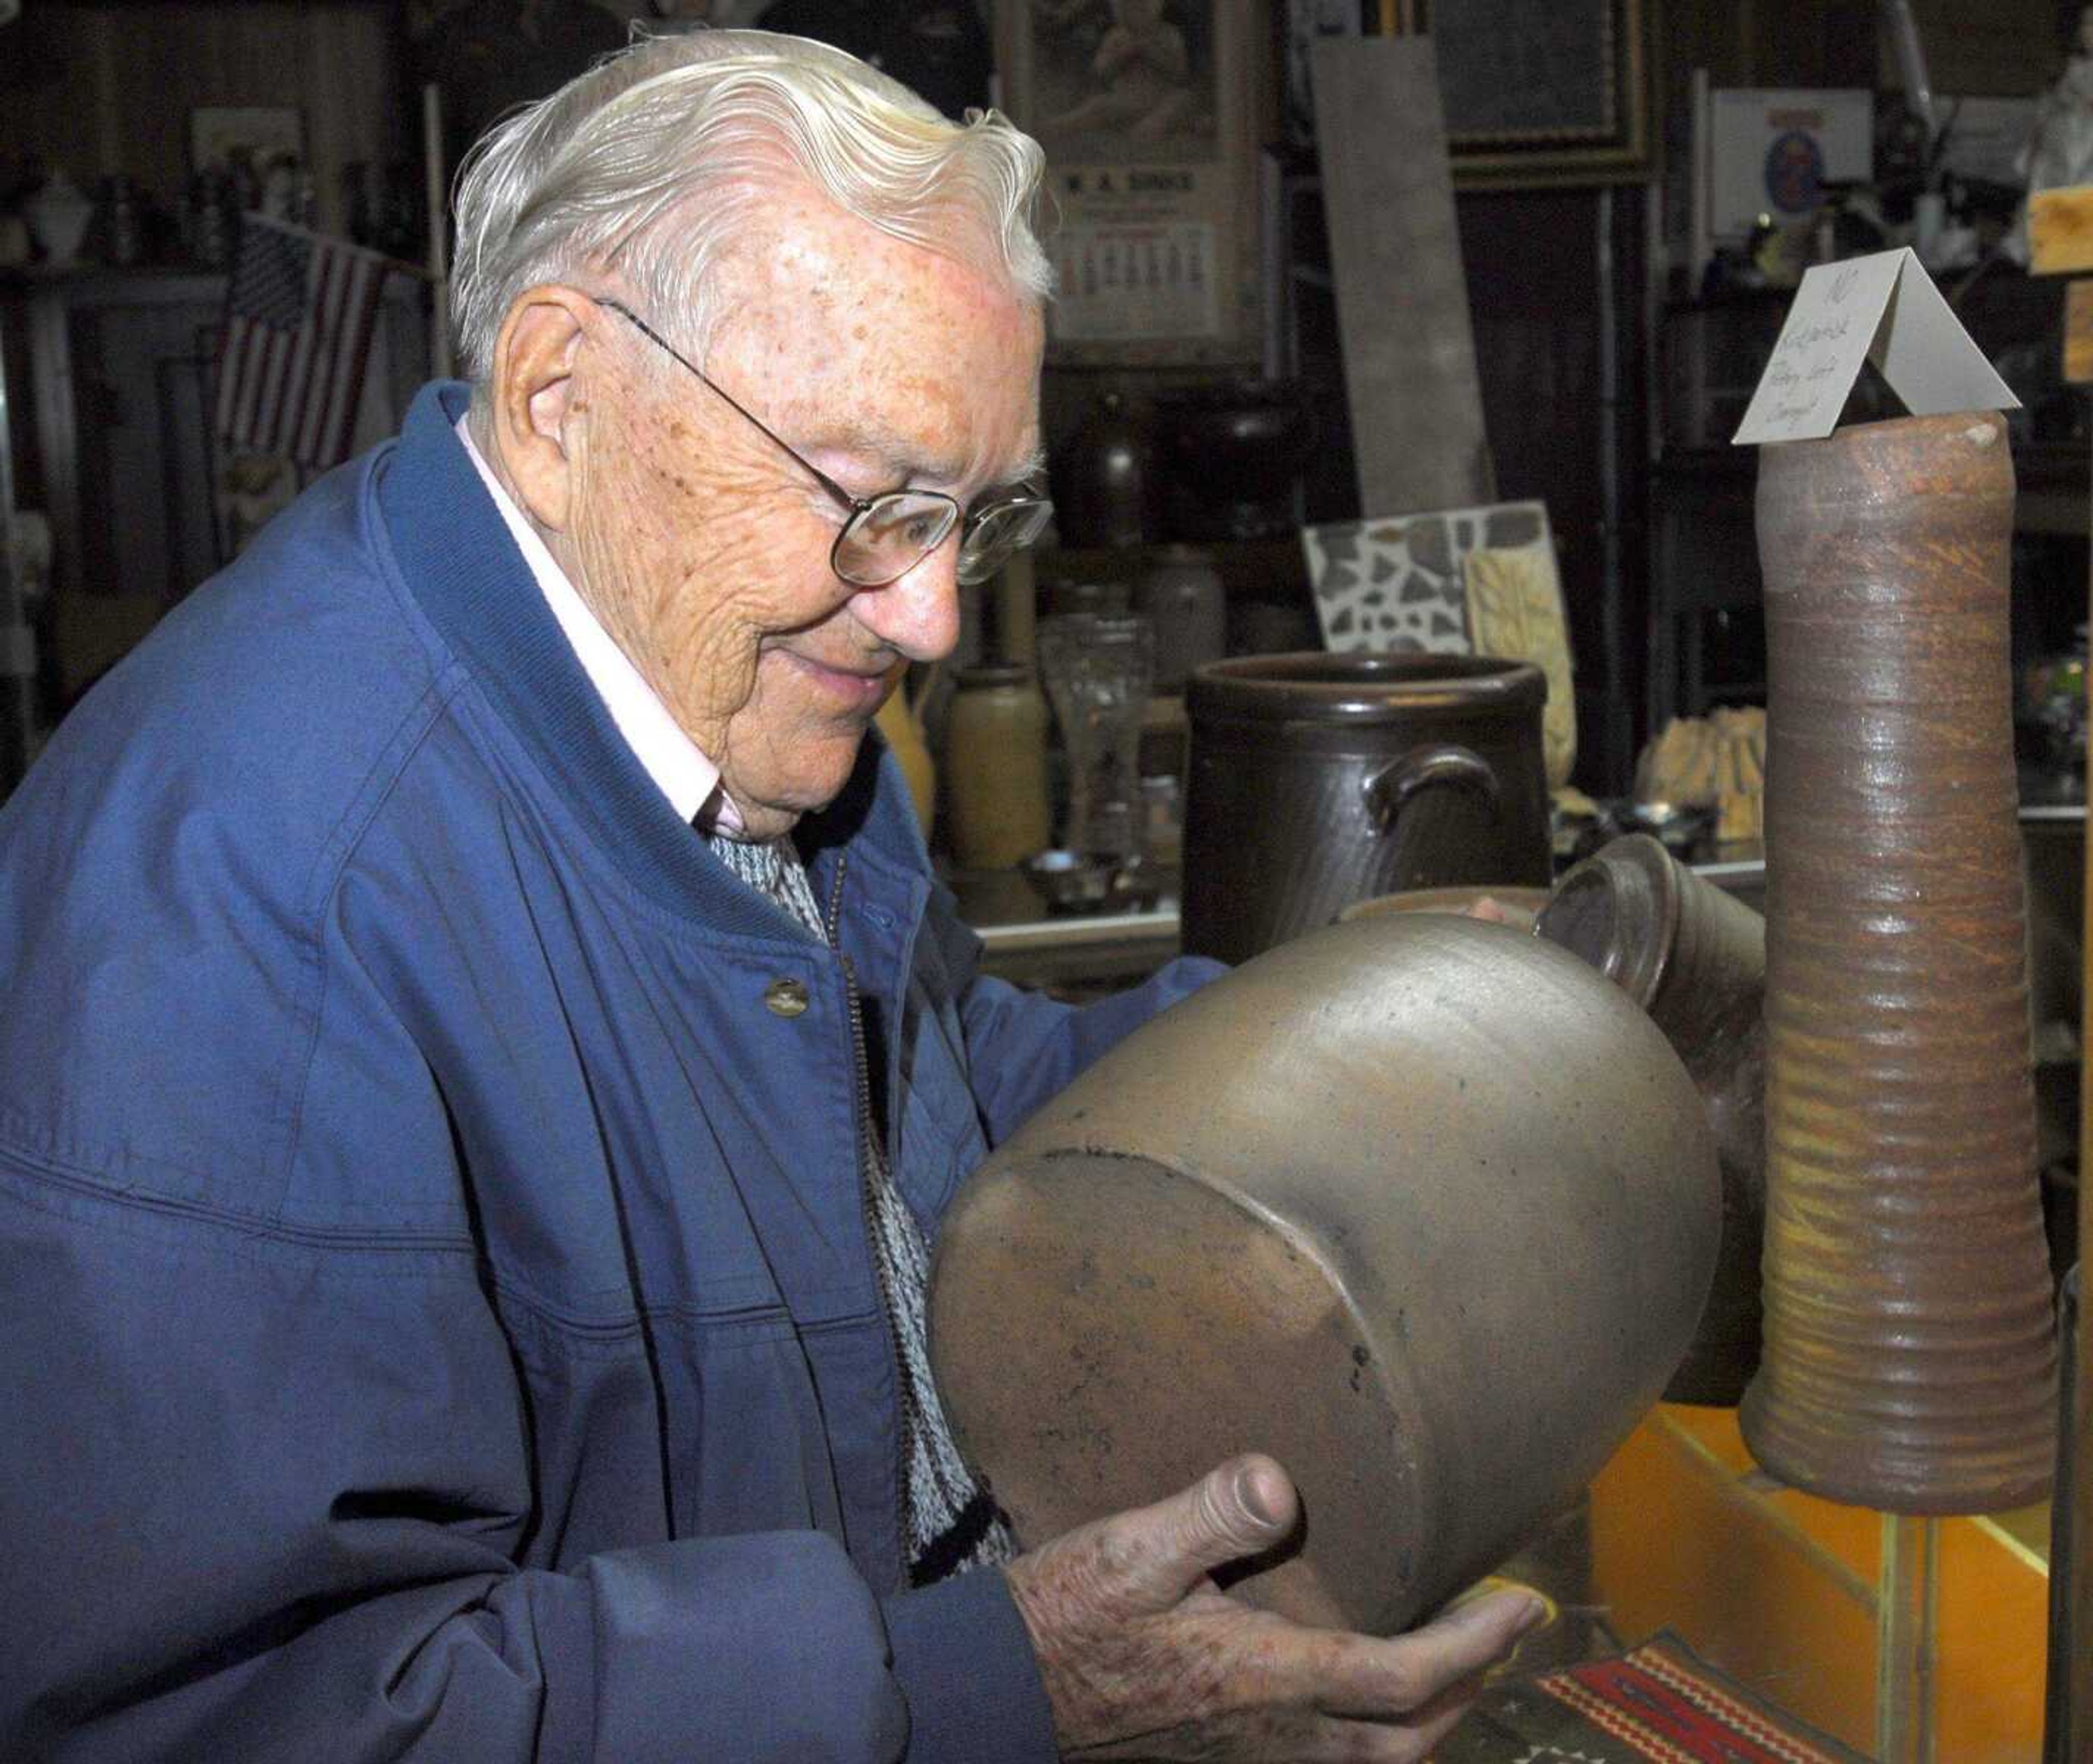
(703, 547)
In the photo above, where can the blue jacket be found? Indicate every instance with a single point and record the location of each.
(436, 1319)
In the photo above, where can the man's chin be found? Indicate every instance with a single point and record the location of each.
(771, 808)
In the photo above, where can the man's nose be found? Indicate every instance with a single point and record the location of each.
(918, 614)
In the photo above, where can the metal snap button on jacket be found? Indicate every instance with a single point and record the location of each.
(786, 998)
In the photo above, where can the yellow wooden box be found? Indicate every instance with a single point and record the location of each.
(1778, 1589)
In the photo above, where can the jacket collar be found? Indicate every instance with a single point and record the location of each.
(464, 569)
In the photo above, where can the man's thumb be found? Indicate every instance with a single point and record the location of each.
(1243, 1508)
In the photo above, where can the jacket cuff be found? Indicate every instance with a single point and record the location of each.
(964, 1659)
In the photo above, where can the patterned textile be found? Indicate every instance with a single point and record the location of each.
(1658, 1705)
(952, 1524)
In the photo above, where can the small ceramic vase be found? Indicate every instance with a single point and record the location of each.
(1100, 479)
(58, 215)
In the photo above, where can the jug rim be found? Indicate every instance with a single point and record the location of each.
(1362, 685)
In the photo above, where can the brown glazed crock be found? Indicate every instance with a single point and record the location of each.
(1315, 780)
(1423, 1207)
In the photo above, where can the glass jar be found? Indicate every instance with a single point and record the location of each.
(995, 768)
(1098, 672)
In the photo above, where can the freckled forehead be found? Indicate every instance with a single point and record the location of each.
(827, 314)
(809, 259)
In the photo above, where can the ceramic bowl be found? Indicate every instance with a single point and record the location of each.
(1068, 882)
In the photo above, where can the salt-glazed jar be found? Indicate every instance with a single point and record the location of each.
(995, 768)
(1424, 1207)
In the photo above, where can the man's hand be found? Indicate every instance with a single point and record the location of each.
(1145, 1657)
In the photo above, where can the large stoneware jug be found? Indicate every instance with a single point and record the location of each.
(1910, 1358)
(1426, 1208)
(1317, 780)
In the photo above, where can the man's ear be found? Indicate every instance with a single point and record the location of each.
(535, 404)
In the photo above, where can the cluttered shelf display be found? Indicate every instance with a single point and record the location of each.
(1706, 634)
(1780, 180)
(1176, 529)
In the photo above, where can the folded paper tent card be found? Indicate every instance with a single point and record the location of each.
(1883, 309)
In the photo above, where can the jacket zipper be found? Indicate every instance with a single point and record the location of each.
(872, 1168)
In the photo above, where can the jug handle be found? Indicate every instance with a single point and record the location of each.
(1388, 791)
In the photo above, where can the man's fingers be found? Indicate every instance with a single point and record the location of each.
(1134, 1666)
(1241, 1509)
(1374, 1680)
(1445, 1716)
(1329, 1739)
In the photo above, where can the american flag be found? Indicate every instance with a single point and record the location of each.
(297, 334)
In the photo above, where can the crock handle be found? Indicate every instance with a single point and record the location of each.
(1388, 791)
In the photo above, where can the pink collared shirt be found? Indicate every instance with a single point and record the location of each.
(686, 777)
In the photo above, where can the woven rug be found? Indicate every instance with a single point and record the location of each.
(1658, 1705)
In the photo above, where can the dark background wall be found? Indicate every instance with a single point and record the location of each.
(1566, 284)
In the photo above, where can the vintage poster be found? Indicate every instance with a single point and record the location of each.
(1145, 110)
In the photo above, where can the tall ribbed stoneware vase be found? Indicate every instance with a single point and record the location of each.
(1910, 1362)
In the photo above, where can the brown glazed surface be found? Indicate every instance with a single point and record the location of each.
(1421, 1206)
(1316, 780)
(1910, 1362)
(1694, 958)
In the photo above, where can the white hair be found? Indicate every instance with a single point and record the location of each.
(643, 167)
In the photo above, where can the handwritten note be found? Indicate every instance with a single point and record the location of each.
(1883, 308)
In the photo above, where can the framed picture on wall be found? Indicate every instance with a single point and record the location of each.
(1543, 91)
(1146, 110)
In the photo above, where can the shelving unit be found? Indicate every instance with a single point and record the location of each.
(1703, 548)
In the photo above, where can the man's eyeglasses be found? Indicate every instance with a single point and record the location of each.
(886, 536)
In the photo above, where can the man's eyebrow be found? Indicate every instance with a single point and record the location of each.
(875, 440)
(872, 440)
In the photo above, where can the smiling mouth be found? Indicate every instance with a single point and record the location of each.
(860, 688)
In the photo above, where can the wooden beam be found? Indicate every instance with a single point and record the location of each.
(1403, 294)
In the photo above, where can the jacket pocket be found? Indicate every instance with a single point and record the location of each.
(678, 1424)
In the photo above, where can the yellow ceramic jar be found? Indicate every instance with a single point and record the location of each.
(995, 768)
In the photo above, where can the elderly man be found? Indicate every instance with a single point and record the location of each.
(487, 1051)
